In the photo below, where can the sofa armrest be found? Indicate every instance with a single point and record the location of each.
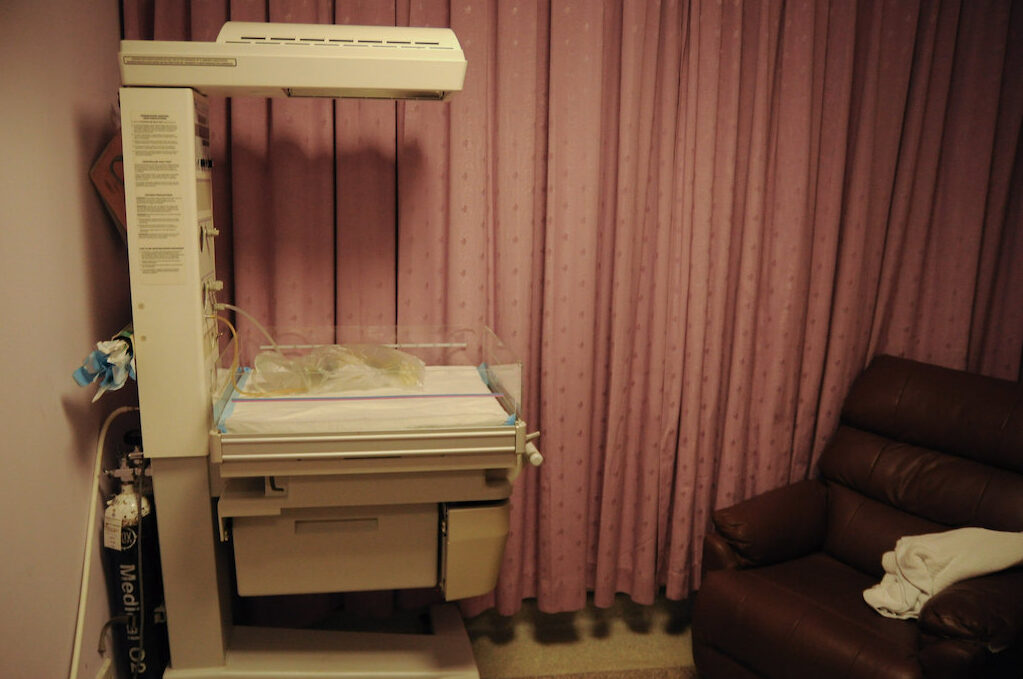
(959, 659)
(987, 610)
(952, 658)
(778, 525)
(718, 555)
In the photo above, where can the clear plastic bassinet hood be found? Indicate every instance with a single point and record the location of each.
(303, 60)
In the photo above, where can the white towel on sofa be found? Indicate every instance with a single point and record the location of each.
(923, 565)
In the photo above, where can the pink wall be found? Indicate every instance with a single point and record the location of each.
(64, 277)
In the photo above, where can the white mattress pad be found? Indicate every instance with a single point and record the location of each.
(451, 397)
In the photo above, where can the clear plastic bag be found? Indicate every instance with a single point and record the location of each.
(275, 373)
(337, 367)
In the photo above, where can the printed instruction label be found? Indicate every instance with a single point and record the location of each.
(112, 532)
(159, 203)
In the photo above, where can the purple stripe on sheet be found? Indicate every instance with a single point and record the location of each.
(360, 398)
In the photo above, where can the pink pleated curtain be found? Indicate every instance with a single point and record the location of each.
(695, 221)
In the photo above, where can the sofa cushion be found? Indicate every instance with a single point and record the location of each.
(970, 416)
(949, 490)
(803, 618)
(860, 529)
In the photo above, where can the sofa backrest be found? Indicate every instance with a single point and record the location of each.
(921, 449)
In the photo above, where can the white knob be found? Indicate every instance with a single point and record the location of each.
(533, 455)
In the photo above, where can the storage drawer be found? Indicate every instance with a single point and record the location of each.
(474, 541)
(337, 549)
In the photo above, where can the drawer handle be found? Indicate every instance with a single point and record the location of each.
(316, 526)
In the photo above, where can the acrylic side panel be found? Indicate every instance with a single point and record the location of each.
(503, 371)
(374, 378)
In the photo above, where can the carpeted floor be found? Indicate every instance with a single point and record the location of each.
(625, 641)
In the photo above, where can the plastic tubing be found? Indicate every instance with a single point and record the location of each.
(90, 534)
(251, 318)
(235, 364)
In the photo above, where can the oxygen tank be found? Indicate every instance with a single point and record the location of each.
(134, 580)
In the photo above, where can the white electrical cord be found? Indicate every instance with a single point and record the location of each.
(90, 535)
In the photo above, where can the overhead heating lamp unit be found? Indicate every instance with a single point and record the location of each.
(303, 60)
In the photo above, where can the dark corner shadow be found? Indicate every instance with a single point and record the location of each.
(106, 254)
(106, 296)
(499, 629)
(547, 628)
(664, 615)
(680, 616)
(637, 617)
(556, 628)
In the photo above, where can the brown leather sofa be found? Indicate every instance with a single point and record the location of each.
(920, 449)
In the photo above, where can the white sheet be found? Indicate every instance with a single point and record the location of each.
(920, 566)
(452, 396)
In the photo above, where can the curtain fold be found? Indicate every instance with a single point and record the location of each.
(694, 221)
(366, 195)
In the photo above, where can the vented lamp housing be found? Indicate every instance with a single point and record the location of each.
(303, 60)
